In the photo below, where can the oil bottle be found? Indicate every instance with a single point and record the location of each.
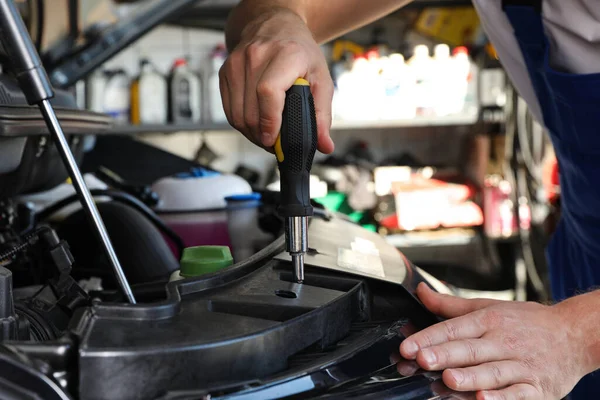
(184, 94)
(149, 96)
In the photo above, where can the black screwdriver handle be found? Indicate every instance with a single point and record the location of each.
(295, 150)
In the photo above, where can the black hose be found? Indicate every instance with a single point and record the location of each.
(124, 198)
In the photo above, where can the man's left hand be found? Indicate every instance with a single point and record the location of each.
(502, 350)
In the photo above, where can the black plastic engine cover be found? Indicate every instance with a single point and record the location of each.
(242, 324)
(244, 330)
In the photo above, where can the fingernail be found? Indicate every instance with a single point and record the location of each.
(411, 348)
(488, 396)
(458, 377)
(407, 370)
(429, 357)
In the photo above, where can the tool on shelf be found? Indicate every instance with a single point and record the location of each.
(34, 83)
(295, 150)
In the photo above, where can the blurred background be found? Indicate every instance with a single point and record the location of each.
(434, 149)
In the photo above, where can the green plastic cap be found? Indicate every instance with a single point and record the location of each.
(202, 260)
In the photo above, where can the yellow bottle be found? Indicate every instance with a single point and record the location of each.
(149, 97)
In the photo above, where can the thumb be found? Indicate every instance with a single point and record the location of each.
(450, 306)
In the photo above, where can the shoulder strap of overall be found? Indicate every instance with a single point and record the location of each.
(535, 4)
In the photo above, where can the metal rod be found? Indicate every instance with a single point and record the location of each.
(84, 194)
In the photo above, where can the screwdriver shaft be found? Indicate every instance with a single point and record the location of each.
(297, 244)
(298, 261)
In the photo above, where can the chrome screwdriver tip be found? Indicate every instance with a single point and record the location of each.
(298, 262)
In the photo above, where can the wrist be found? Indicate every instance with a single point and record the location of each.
(580, 315)
(275, 21)
(267, 19)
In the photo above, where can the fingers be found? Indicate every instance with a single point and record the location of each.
(493, 375)
(253, 82)
(224, 88)
(279, 76)
(450, 306)
(465, 327)
(514, 392)
(255, 59)
(322, 91)
(441, 390)
(407, 368)
(461, 353)
(231, 73)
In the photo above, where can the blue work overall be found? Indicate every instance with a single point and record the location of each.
(570, 105)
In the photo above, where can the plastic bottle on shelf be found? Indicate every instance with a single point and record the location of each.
(116, 102)
(343, 96)
(399, 89)
(471, 107)
(184, 94)
(149, 96)
(365, 87)
(95, 87)
(422, 68)
(340, 72)
(461, 71)
(375, 91)
(442, 81)
(217, 113)
(350, 88)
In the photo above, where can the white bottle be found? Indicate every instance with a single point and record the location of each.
(442, 81)
(399, 89)
(152, 95)
(360, 88)
(217, 113)
(461, 71)
(116, 97)
(422, 68)
(184, 94)
(377, 84)
(94, 93)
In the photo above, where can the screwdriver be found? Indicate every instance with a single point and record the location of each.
(295, 150)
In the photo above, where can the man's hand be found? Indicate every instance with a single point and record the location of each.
(273, 52)
(504, 350)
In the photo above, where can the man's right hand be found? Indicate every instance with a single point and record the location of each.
(274, 50)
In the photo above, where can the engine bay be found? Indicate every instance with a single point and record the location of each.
(199, 334)
(247, 330)
(68, 332)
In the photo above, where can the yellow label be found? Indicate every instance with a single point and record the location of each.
(457, 26)
(278, 149)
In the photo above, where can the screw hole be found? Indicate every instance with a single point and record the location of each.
(286, 294)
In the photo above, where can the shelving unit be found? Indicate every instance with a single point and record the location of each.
(449, 121)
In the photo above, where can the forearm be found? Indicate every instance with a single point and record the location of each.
(325, 19)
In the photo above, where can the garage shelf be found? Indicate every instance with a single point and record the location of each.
(450, 121)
